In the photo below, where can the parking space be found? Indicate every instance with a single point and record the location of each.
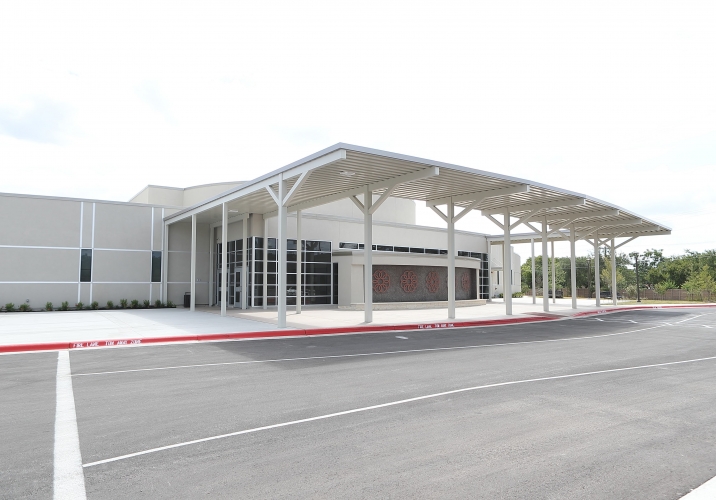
(574, 408)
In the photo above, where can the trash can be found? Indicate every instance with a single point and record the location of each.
(187, 299)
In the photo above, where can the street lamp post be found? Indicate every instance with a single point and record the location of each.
(636, 267)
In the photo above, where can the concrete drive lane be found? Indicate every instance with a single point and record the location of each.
(27, 421)
(615, 435)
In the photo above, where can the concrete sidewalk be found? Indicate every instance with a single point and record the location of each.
(81, 329)
(72, 326)
(331, 316)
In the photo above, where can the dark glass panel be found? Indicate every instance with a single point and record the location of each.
(156, 266)
(86, 265)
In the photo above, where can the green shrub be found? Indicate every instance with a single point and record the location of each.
(110, 304)
(158, 304)
(135, 304)
(146, 304)
(65, 306)
(79, 306)
(24, 308)
(9, 307)
(170, 303)
(48, 306)
(123, 303)
(517, 295)
(94, 305)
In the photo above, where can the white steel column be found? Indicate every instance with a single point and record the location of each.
(597, 285)
(281, 244)
(299, 260)
(507, 266)
(534, 278)
(265, 273)
(614, 274)
(368, 254)
(573, 263)
(451, 259)
(489, 271)
(165, 260)
(192, 288)
(554, 276)
(545, 267)
(244, 260)
(211, 265)
(224, 257)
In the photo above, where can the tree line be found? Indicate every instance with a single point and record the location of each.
(692, 271)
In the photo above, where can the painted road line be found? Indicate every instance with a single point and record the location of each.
(706, 491)
(386, 405)
(597, 319)
(385, 353)
(69, 478)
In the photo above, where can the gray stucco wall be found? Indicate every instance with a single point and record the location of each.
(41, 239)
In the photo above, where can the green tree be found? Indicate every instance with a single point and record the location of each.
(701, 281)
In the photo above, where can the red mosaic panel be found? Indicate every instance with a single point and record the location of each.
(409, 281)
(432, 281)
(381, 281)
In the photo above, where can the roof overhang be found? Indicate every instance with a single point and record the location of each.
(344, 170)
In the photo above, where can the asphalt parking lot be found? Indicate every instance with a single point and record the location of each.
(619, 406)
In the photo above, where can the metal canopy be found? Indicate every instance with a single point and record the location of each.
(343, 170)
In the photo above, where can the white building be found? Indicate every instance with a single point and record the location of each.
(167, 242)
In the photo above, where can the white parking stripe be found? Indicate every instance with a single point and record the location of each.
(706, 491)
(69, 478)
(386, 405)
(280, 360)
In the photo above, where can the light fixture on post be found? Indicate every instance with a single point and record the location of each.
(636, 268)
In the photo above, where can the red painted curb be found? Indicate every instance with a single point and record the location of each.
(54, 346)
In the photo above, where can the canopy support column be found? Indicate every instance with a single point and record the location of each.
(368, 254)
(211, 266)
(545, 267)
(614, 274)
(534, 278)
(224, 257)
(244, 262)
(299, 257)
(192, 287)
(573, 263)
(281, 246)
(165, 261)
(507, 266)
(489, 272)
(597, 285)
(265, 266)
(451, 259)
(554, 277)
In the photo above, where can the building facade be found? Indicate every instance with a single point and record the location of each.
(58, 250)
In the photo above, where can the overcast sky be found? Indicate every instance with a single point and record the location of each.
(616, 100)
